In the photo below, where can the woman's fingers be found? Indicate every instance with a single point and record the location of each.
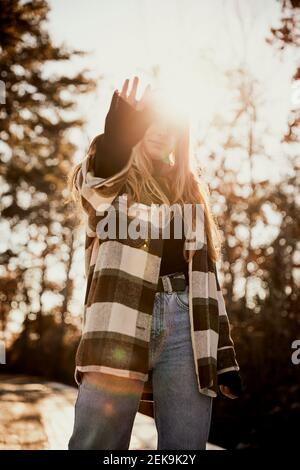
(125, 89)
(145, 98)
(132, 95)
(114, 101)
(131, 98)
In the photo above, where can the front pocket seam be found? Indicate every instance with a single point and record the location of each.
(180, 302)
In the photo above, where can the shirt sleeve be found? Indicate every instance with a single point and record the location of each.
(233, 380)
(226, 356)
(97, 192)
(124, 128)
(107, 162)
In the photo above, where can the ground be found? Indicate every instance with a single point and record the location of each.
(38, 414)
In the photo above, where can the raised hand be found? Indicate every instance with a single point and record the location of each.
(131, 98)
(128, 118)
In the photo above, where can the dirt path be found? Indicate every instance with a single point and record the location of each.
(37, 414)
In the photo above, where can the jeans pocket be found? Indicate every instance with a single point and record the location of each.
(182, 298)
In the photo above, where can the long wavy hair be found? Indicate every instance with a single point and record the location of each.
(181, 185)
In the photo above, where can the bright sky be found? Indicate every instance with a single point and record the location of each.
(193, 42)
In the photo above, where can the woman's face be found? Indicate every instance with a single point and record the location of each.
(160, 139)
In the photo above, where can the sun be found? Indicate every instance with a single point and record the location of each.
(189, 93)
(189, 89)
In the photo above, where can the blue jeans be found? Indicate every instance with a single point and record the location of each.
(104, 415)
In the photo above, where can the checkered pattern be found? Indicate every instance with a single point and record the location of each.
(122, 276)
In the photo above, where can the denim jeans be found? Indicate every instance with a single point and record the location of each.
(104, 414)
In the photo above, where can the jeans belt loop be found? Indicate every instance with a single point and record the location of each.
(167, 284)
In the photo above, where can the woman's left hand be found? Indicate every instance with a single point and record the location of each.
(226, 391)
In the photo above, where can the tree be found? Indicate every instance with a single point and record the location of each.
(265, 322)
(36, 155)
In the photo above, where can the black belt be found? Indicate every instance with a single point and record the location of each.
(172, 282)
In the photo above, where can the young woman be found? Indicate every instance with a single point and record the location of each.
(152, 305)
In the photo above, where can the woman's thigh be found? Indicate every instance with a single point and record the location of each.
(105, 411)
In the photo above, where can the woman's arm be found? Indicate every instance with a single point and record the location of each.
(108, 158)
(125, 126)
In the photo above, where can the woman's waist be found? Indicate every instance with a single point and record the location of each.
(172, 282)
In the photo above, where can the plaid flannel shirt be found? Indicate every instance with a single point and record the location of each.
(122, 276)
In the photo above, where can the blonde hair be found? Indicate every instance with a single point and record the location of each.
(182, 183)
